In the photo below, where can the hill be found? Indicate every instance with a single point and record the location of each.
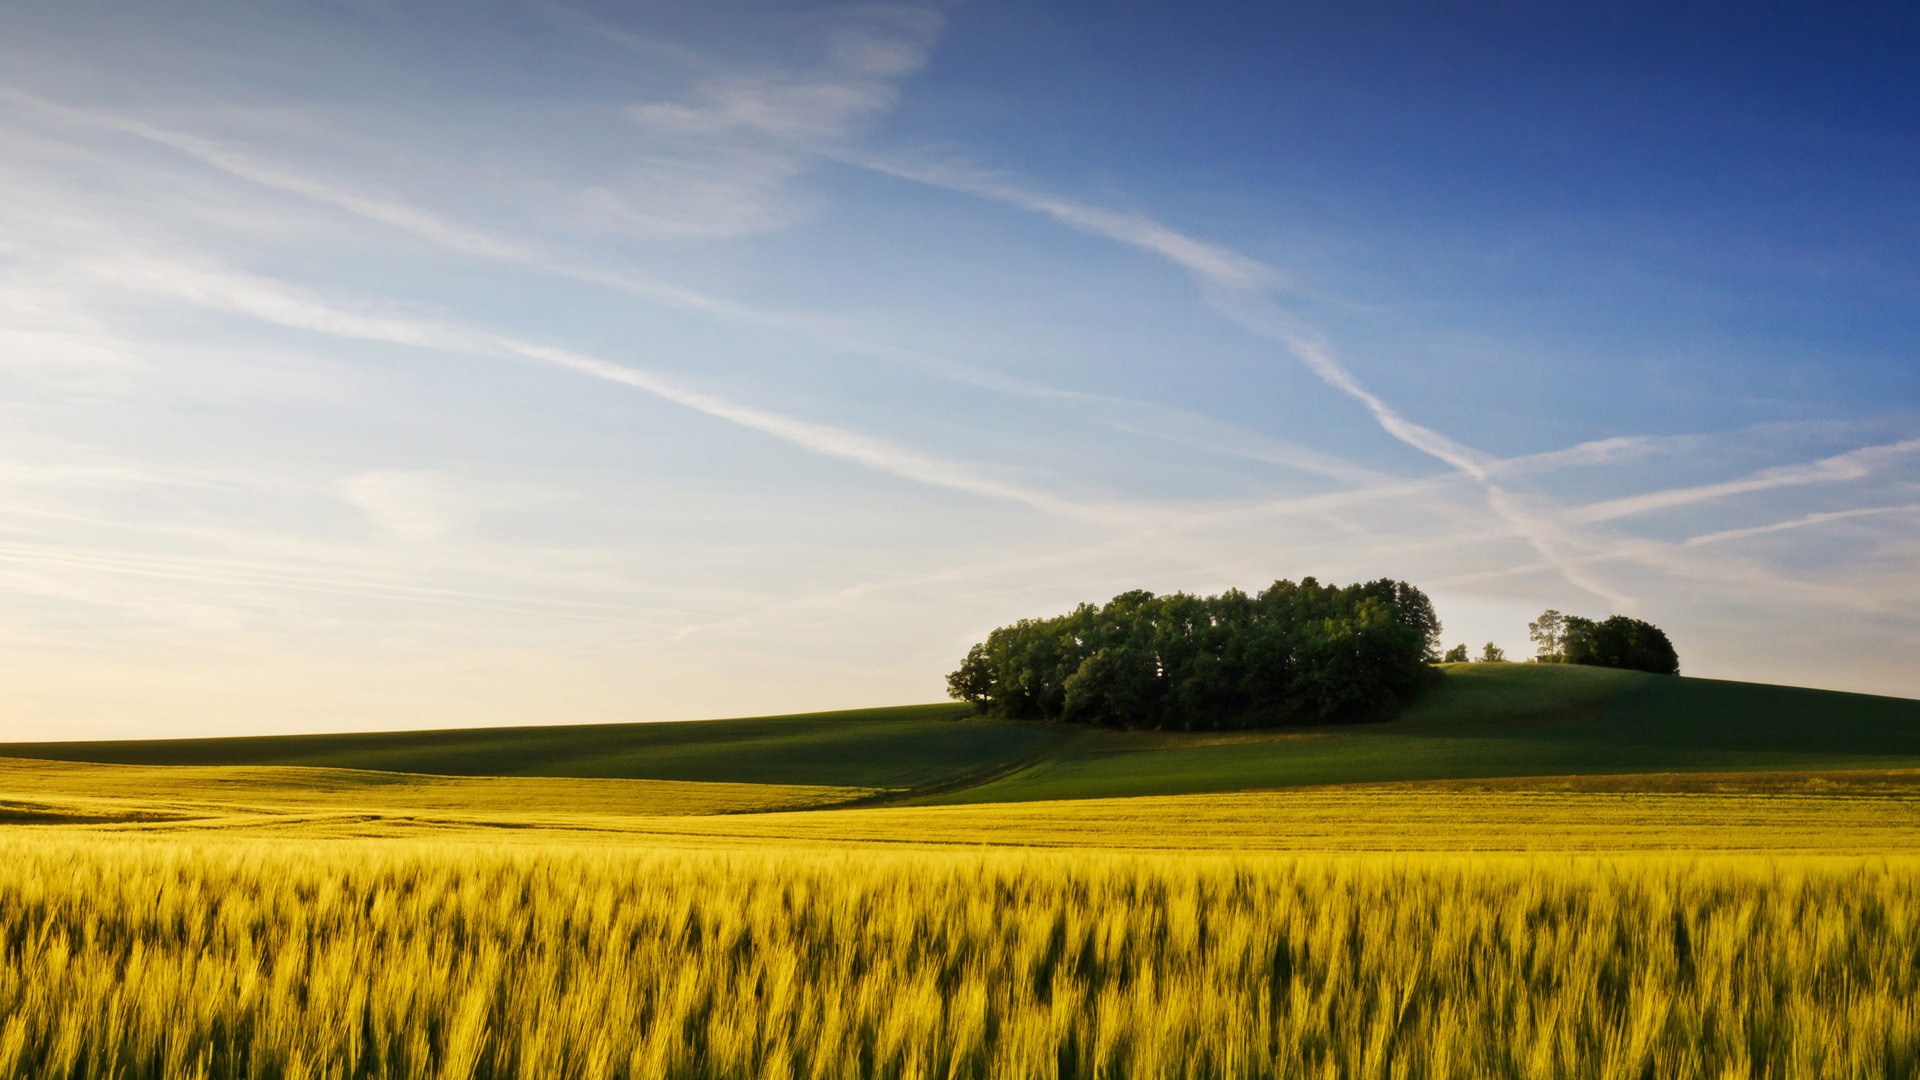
(1501, 720)
(1483, 721)
(916, 746)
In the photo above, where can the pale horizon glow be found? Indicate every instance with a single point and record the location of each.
(525, 363)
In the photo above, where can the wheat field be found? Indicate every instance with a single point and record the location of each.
(169, 956)
(234, 796)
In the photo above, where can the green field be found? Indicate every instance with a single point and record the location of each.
(906, 747)
(1482, 721)
(1493, 748)
(1501, 720)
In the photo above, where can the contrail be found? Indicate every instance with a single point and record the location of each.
(1852, 465)
(1799, 523)
(285, 305)
(433, 228)
(1237, 287)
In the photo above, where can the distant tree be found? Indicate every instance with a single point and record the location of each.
(1492, 654)
(1296, 653)
(974, 681)
(1114, 683)
(1411, 608)
(1456, 655)
(1619, 642)
(1548, 633)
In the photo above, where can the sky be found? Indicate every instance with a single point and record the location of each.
(389, 365)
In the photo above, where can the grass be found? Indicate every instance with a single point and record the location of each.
(1500, 720)
(906, 747)
(1508, 694)
(1482, 721)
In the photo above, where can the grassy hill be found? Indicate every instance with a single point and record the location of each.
(916, 746)
(1483, 721)
(1501, 720)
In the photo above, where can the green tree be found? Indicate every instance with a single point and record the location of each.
(1296, 652)
(1412, 608)
(1455, 655)
(1493, 654)
(974, 681)
(1116, 686)
(1620, 642)
(1548, 633)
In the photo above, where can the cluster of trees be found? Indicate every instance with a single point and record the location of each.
(1293, 653)
(1616, 642)
(1492, 654)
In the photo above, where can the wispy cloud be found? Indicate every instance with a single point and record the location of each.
(1608, 451)
(1233, 284)
(1239, 287)
(1210, 262)
(645, 46)
(862, 55)
(716, 160)
(1260, 315)
(1720, 577)
(297, 308)
(244, 585)
(410, 503)
(1242, 289)
(201, 447)
(1840, 468)
(396, 214)
(1152, 419)
(1821, 518)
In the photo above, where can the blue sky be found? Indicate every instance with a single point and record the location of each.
(384, 365)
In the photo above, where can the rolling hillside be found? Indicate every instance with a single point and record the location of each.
(1501, 720)
(1484, 721)
(917, 746)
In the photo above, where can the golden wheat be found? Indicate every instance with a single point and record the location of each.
(149, 957)
(1837, 813)
(277, 796)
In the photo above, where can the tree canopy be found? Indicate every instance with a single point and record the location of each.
(1620, 642)
(1546, 632)
(1293, 653)
(1615, 642)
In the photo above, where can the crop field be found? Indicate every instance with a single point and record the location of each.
(141, 956)
(236, 797)
(268, 923)
(1870, 812)
(247, 916)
